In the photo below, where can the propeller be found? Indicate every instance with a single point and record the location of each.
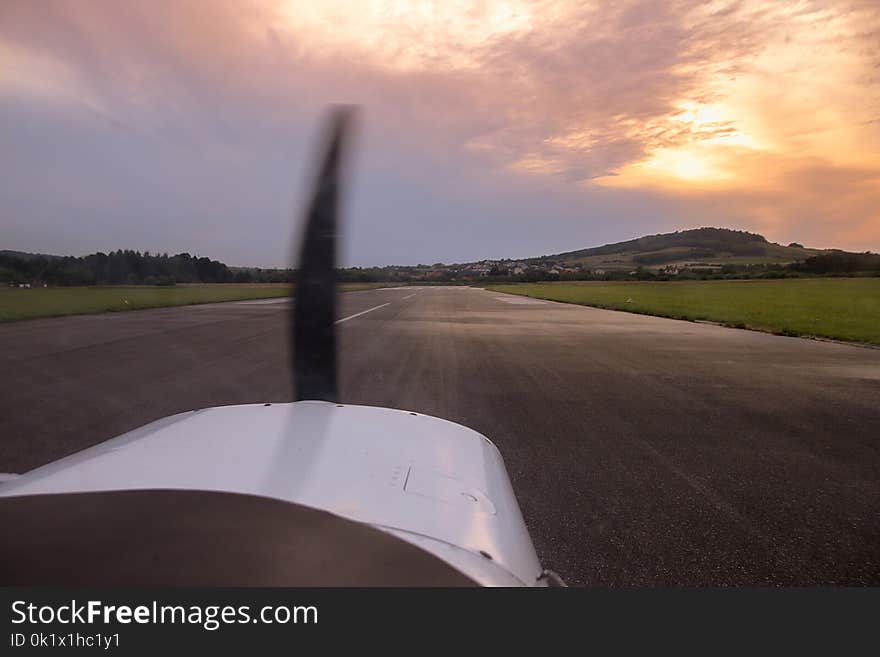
(313, 314)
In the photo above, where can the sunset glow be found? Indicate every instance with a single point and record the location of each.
(769, 111)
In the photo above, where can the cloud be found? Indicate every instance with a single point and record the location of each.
(492, 128)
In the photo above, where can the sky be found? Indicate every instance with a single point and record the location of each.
(485, 130)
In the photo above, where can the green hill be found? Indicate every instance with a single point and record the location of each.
(704, 246)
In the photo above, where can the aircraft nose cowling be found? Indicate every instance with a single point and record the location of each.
(429, 481)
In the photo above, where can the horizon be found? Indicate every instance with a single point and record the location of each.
(425, 264)
(485, 132)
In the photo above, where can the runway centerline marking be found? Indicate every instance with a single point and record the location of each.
(363, 312)
(410, 296)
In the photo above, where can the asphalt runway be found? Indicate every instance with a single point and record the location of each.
(643, 451)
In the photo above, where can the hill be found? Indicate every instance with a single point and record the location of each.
(700, 246)
(24, 255)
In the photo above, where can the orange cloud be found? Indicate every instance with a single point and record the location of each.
(754, 113)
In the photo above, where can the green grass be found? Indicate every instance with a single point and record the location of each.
(840, 308)
(18, 304)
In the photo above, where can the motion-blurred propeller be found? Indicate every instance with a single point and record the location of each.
(313, 335)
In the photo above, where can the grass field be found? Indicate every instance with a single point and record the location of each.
(17, 304)
(841, 308)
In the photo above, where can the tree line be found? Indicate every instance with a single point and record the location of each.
(128, 267)
(122, 267)
(839, 262)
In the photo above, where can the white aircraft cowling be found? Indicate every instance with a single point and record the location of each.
(431, 482)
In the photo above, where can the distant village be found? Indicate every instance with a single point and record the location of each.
(541, 269)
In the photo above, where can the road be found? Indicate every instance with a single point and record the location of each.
(643, 451)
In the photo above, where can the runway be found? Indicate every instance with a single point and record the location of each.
(643, 451)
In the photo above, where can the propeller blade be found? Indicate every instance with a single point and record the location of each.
(313, 334)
